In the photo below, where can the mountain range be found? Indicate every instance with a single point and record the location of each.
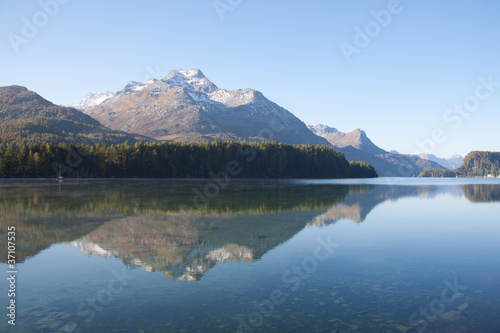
(185, 106)
(357, 146)
(453, 162)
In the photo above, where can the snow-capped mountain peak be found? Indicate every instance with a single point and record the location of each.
(192, 78)
(92, 100)
(185, 106)
(192, 73)
(322, 130)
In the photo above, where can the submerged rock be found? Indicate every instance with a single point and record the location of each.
(451, 315)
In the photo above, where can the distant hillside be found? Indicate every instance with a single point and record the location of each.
(358, 147)
(26, 117)
(449, 163)
(476, 164)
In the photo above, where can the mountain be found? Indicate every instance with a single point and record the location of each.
(26, 117)
(356, 139)
(449, 163)
(480, 164)
(456, 161)
(475, 164)
(357, 146)
(185, 106)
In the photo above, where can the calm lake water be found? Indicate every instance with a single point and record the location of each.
(383, 255)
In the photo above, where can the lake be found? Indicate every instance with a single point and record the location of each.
(375, 255)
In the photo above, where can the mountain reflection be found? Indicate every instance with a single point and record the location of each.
(158, 227)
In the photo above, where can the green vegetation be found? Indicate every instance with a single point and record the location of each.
(476, 164)
(480, 164)
(27, 118)
(176, 160)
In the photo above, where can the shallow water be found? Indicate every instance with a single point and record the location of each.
(385, 255)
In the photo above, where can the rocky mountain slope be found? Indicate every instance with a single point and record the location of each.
(356, 139)
(357, 146)
(185, 106)
(26, 117)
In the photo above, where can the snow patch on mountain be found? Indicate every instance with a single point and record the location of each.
(322, 130)
(233, 98)
(193, 79)
(91, 249)
(194, 83)
(135, 87)
(92, 100)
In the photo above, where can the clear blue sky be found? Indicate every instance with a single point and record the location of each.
(397, 88)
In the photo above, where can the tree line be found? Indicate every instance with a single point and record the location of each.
(180, 160)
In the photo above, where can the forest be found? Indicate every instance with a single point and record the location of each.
(179, 160)
(475, 164)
